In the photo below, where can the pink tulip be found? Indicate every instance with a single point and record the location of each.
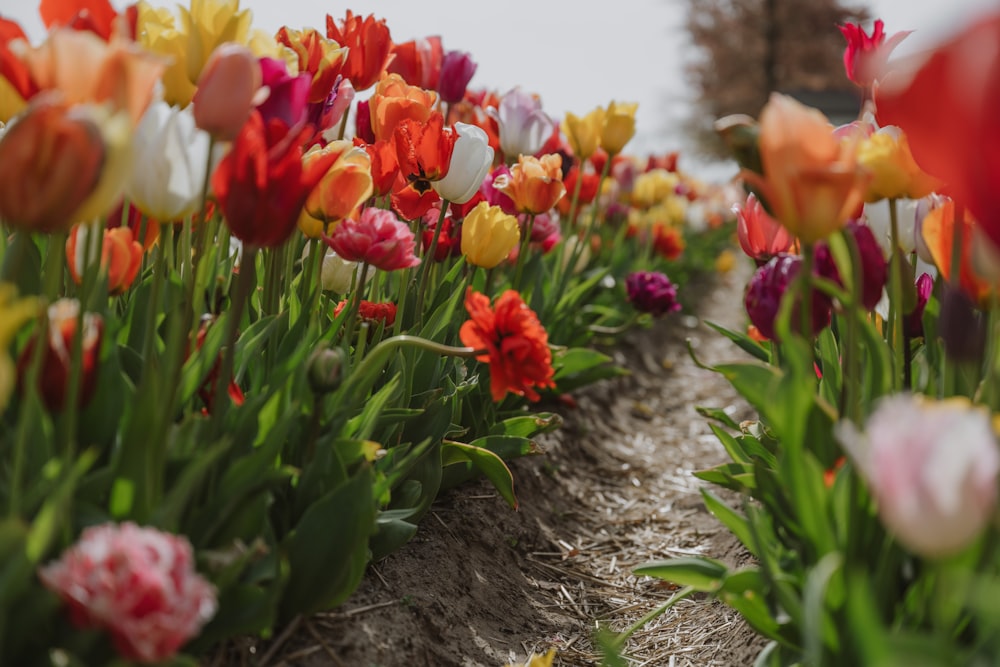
(378, 238)
(137, 583)
(227, 91)
(932, 466)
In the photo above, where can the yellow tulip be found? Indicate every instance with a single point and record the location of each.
(653, 187)
(895, 174)
(619, 126)
(11, 102)
(208, 24)
(156, 29)
(488, 235)
(584, 134)
(14, 313)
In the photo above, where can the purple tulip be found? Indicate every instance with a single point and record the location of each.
(457, 69)
(496, 197)
(874, 268)
(363, 123)
(766, 289)
(913, 323)
(288, 94)
(652, 292)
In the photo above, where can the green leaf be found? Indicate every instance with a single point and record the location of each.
(719, 415)
(702, 574)
(743, 341)
(487, 462)
(328, 550)
(735, 522)
(527, 426)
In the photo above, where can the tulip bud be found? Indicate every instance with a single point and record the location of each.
(767, 288)
(53, 380)
(227, 91)
(336, 274)
(457, 69)
(324, 369)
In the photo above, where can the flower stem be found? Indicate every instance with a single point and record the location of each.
(523, 252)
(425, 269)
(896, 302)
(355, 306)
(244, 286)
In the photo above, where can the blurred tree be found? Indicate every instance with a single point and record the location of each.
(744, 49)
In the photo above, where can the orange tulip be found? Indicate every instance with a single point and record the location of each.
(121, 256)
(418, 61)
(50, 164)
(534, 184)
(938, 231)
(321, 57)
(345, 186)
(423, 150)
(394, 101)
(86, 69)
(16, 85)
(96, 16)
(369, 47)
(384, 168)
(812, 180)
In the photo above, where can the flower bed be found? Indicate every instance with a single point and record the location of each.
(229, 390)
(870, 477)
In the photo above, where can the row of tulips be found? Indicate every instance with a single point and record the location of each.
(870, 476)
(246, 342)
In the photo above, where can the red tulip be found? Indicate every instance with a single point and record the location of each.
(866, 55)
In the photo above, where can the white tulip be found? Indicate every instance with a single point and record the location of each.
(471, 160)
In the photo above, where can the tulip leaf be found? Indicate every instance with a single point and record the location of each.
(484, 460)
(735, 522)
(328, 549)
(702, 574)
(744, 342)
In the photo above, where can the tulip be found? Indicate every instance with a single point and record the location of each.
(895, 174)
(653, 187)
(384, 167)
(157, 30)
(287, 95)
(913, 323)
(424, 151)
(14, 313)
(488, 235)
(812, 182)
(137, 583)
(346, 184)
(534, 184)
(16, 84)
(545, 230)
(53, 380)
(171, 156)
(767, 288)
(524, 127)
(395, 101)
(761, 236)
(418, 62)
(471, 160)
(493, 195)
(874, 268)
(336, 273)
(363, 123)
(938, 233)
(619, 126)
(97, 16)
(457, 69)
(946, 103)
(931, 466)
(326, 116)
(227, 91)
(377, 238)
(262, 183)
(652, 292)
(208, 25)
(59, 166)
(321, 57)
(121, 256)
(668, 241)
(85, 69)
(584, 134)
(368, 44)
(449, 240)
(866, 56)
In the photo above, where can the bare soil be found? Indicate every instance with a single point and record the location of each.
(482, 585)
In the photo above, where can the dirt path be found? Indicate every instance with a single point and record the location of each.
(481, 585)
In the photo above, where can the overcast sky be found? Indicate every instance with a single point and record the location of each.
(577, 54)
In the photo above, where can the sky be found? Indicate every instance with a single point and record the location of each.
(576, 54)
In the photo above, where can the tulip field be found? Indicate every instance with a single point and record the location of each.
(267, 297)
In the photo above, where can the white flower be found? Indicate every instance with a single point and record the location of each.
(471, 160)
(524, 127)
(170, 156)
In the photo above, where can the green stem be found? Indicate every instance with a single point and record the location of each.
(523, 252)
(896, 302)
(567, 267)
(200, 233)
(805, 285)
(620, 640)
(244, 286)
(425, 269)
(355, 305)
